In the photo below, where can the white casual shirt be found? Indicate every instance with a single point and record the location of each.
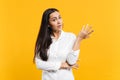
(60, 51)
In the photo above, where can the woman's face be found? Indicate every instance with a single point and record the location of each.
(55, 21)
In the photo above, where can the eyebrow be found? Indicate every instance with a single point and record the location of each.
(55, 17)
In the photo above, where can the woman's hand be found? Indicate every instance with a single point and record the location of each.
(65, 65)
(75, 66)
(85, 32)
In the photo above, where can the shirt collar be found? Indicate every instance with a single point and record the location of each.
(61, 34)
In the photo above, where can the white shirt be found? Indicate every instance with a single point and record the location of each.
(60, 50)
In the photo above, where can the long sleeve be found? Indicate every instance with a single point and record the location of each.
(73, 54)
(47, 65)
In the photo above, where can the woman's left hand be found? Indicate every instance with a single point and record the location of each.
(85, 32)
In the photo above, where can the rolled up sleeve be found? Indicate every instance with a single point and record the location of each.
(73, 54)
(47, 65)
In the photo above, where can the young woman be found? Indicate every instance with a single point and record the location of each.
(57, 51)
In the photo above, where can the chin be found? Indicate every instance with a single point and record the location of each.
(60, 29)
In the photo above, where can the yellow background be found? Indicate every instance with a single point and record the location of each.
(19, 26)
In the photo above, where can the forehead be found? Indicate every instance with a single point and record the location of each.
(54, 14)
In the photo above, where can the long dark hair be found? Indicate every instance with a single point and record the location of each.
(44, 40)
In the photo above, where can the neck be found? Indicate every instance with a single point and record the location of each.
(56, 34)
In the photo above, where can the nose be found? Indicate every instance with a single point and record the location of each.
(59, 21)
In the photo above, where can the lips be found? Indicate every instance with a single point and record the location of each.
(59, 26)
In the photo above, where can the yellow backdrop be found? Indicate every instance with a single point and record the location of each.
(19, 26)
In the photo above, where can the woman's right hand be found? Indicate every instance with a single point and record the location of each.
(64, 65)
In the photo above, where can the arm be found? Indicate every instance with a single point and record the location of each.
(47, 65)
(51, 66)
(75, 50)
(83, 34)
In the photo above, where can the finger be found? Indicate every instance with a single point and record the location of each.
(75, 67)
(90, 32)
(86, 28)
(89, 28)
(83, 28)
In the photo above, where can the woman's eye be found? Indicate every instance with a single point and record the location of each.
(53, 20)
(59, 17)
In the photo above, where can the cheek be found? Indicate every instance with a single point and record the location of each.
(53, 24)
(61, 21)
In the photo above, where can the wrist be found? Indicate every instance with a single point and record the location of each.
(79, 39)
